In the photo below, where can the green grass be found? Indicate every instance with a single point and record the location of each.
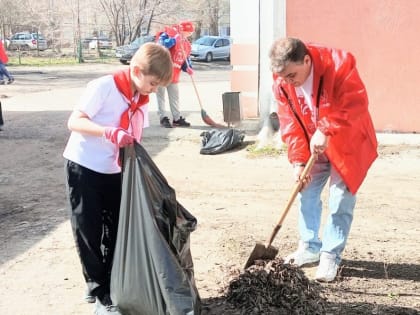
(49, 59)
(41, 61)
(267, 151)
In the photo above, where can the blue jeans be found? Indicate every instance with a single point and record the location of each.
(340, 217)
(4, 72)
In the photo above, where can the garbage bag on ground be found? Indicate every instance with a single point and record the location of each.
(216, 141)
(152, 272)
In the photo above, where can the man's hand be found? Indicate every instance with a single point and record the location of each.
(319, 142)
(118, 136)
(190, 71)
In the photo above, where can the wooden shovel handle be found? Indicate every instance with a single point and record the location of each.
(297, 187)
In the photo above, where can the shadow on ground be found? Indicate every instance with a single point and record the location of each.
(380, 270)
(32, 183)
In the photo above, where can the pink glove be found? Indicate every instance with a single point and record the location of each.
(190, 71)
(118, 136)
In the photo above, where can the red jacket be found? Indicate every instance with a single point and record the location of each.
(179, 52)
(340, 99)
(3, 56)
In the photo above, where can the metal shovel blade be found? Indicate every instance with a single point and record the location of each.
(260, 251)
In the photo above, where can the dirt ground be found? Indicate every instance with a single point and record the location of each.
(236, 197)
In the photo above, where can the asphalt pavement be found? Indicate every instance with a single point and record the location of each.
(58, 88)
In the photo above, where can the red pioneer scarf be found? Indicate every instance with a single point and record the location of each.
(123, 83)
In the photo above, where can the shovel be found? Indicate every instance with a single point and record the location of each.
(269, 252)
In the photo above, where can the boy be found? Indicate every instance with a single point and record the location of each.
(111, 114)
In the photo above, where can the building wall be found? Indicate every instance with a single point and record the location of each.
(244, 56)
(380, 33)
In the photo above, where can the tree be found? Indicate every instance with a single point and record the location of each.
(69, 21)
(10, 11)
(208, 15)
(130, 19)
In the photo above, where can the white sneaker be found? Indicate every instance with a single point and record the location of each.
(104, 306)
(302, 256)
(327, 269)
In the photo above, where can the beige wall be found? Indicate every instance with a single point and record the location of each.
(244, 77)
(244, 54)
(254, 24)
(382, 34)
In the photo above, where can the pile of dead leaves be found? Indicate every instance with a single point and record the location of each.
(272, 287)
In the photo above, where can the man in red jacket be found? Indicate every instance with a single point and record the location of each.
(323, 110)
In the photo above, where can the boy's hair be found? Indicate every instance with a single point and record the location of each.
(286, 50)
(155, 60)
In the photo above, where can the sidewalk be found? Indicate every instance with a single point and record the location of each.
(210, 86)
(398, 138)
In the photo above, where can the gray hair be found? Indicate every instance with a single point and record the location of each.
(286, 50)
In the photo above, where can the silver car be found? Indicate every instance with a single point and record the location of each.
(209, 48)
(27, 41)
(126, 52)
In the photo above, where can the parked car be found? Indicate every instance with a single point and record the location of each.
(209, 48)
(126, 52)
(102, 42)
(27, 41)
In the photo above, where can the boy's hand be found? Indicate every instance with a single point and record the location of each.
(190, 71)
(118, 136)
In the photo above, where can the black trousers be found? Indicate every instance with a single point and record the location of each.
(94, 201)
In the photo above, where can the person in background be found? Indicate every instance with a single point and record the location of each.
(111, 114)
(176, 40)
(323, 110)
(3, 70)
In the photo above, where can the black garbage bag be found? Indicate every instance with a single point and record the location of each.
(216, 141)
(152, 272)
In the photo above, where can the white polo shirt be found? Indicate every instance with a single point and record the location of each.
(104, 105)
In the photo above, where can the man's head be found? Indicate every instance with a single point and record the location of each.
(290, 60)
(186, 28)
(150, 67)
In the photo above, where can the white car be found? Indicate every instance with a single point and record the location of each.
(209, 48)
(27, 41)
(103, 42)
